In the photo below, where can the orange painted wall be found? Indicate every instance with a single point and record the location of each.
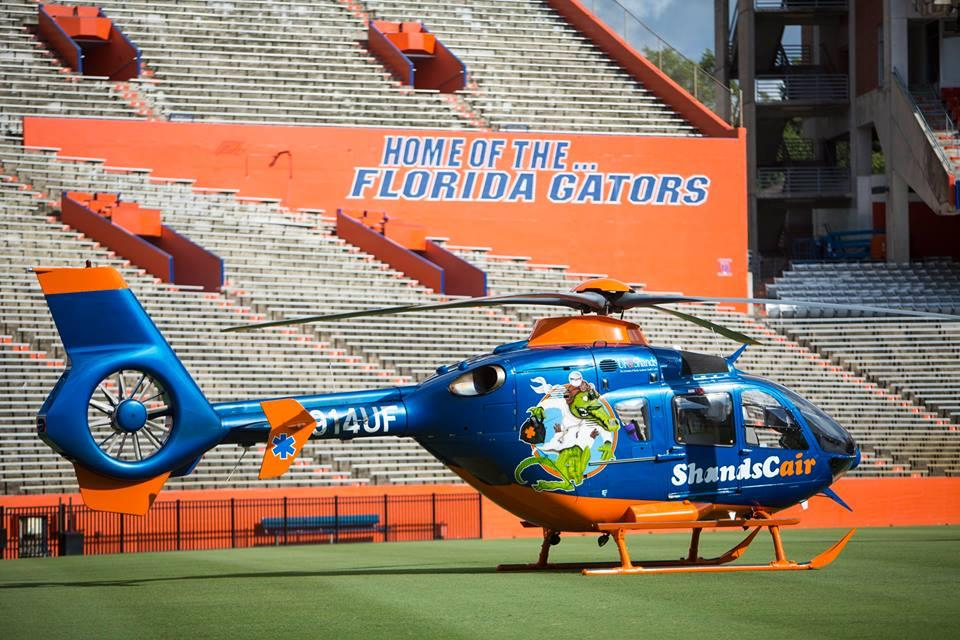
(876, 502)
(668, 247)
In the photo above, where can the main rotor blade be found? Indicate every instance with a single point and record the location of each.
(742, 338)
(306, 319)
(633, 300)
(580, 301)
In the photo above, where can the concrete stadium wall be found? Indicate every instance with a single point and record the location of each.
(876, 502)
(674, 222)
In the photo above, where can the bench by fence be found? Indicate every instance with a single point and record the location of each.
(347, 528)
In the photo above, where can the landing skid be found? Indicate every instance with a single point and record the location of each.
(692, 563)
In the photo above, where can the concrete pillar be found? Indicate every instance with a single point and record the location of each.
(721, 48)
(861, 138)
(747, 72)
(895, 38)
(896, 56)
(898, 218)
(861, 172)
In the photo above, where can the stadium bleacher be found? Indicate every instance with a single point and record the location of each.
(917, 358)
(33, 82)
(302, 63)
(251, 60)
(534, 71)
(899, 438)
(305, 63)
(932, 286)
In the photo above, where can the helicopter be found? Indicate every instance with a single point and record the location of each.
(582, 427)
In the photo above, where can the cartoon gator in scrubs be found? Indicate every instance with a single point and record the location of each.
(563, 429)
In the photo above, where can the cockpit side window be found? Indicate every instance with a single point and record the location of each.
(635, 418)
(768, 424)
(704, 419)
(831, 436)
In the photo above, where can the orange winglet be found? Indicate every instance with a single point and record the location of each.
(102, 493)
(78, 280)
(290, 428)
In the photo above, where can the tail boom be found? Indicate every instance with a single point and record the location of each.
(108, 337)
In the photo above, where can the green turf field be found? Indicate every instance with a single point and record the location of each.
(888, 583)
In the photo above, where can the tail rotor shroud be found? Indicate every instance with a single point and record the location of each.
(130, 415)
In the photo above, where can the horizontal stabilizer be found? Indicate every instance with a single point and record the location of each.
(290, 428)
(102, 493)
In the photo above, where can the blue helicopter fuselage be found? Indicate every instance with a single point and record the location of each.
(581, 424)
(681, 428)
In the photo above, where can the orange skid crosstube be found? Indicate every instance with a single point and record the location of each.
(694, 563)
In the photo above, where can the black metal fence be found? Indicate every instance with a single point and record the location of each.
(173, 525)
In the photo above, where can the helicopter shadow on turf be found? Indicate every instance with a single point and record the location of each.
(343, 573)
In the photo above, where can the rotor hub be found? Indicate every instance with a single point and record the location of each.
(603, 286)
(130, 416)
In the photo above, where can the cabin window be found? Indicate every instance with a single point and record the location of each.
(769, 424)
(704, 419)
(634, 418)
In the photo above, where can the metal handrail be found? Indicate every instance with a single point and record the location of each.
(789, 55)
(722, 99)
(732, 32)
(803, 180)
(820, 87)
(799, 5)
(928, 131)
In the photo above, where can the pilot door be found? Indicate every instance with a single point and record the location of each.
(625, 385)
(704, 456)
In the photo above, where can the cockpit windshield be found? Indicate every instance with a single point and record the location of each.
(832, 437)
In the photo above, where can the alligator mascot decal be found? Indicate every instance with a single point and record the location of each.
(572, 429)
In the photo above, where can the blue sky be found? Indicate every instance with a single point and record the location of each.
(686, 24)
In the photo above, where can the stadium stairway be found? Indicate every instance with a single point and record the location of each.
(291, 62)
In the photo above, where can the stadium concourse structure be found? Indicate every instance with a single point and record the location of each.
(281, 262)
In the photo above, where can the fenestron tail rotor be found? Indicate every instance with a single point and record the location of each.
(129, 415)
(603, 297)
